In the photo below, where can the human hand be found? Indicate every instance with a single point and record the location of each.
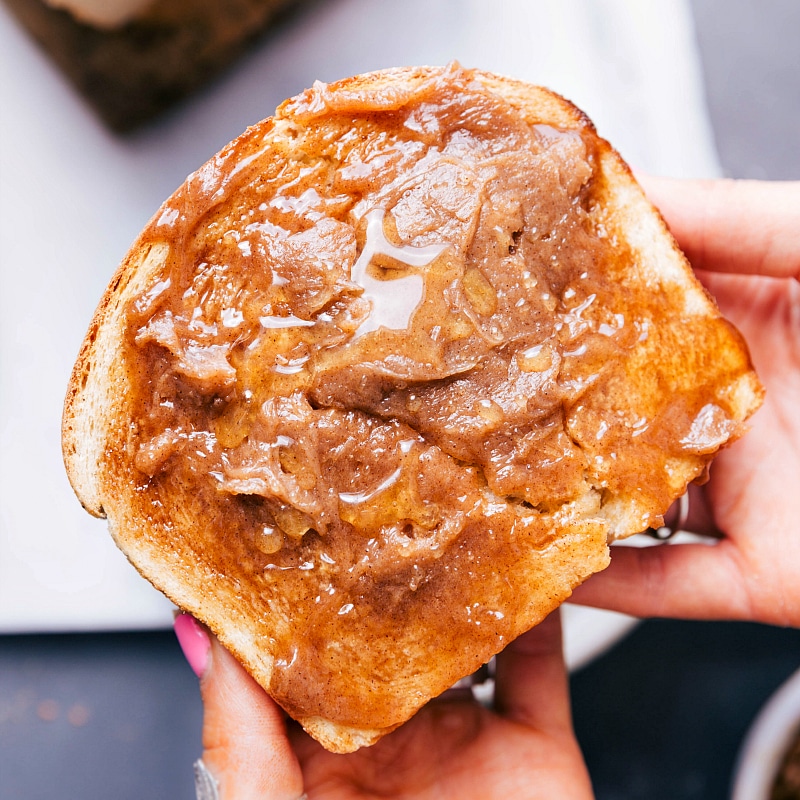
(523, 748)
(743, 238)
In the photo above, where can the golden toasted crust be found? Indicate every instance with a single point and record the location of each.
(163, 544)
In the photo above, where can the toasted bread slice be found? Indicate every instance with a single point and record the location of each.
(376, 386)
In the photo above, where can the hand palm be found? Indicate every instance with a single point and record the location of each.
(454, 748)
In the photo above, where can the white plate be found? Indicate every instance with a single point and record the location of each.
(767, 743)
(73, 197)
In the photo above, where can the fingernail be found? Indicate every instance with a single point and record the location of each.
(194, 642)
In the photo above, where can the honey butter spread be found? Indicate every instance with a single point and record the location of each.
(397, 364)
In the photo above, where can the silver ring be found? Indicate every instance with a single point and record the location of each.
(207, 788)
(666, 532)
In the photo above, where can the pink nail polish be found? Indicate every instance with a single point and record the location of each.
(194, 642)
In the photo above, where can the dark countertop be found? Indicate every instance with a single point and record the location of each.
(660, 716)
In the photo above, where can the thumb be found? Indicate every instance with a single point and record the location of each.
(245, 747)
(531, 683)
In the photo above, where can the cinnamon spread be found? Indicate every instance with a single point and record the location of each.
(390, 325)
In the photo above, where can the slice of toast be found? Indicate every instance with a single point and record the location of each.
(374, 389)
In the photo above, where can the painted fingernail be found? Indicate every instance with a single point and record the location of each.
(194, 642)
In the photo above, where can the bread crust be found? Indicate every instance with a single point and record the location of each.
(98, 409)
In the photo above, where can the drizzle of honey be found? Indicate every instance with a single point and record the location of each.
(393, 301)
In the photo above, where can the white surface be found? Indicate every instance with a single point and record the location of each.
(73, 197)
(767, 742)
